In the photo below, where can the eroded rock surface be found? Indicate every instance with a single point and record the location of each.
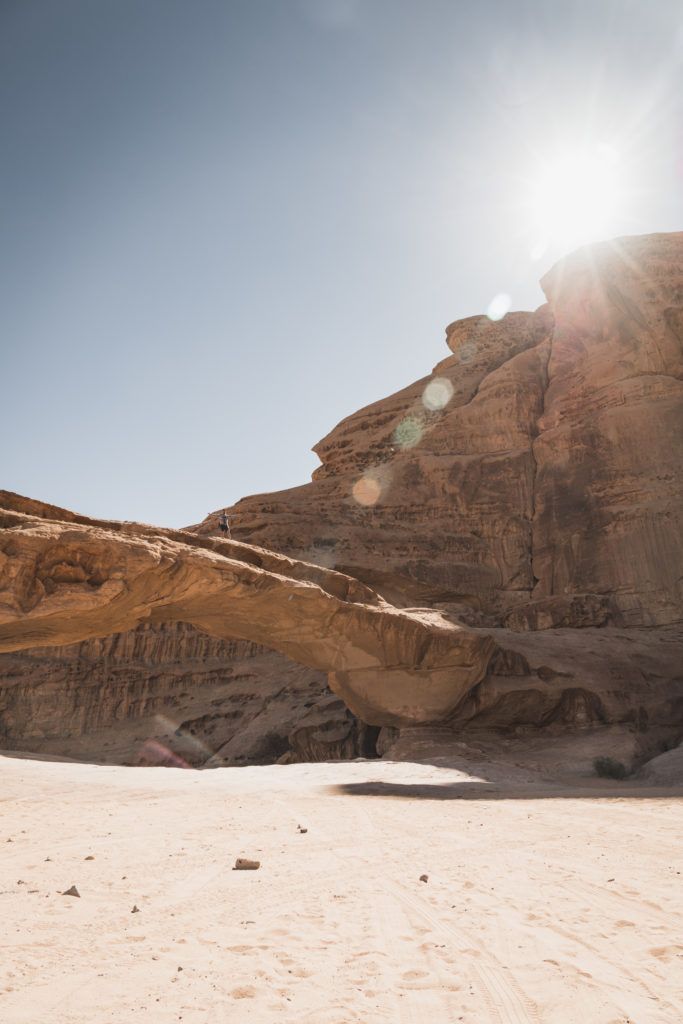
(153, 694)
(330, 732)
(428, 495)
(608, 521)
(530, 487)
(63, 581)
(534, 478)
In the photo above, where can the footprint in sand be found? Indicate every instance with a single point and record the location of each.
(666, 952)
(293, 968)
(244, 992)
(414, 975)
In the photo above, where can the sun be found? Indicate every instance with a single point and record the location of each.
(575, 197)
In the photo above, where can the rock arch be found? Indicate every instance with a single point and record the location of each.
(66, 578)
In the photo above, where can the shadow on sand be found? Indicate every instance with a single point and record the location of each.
(600, 790)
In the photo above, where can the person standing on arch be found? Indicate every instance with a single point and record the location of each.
(224, 522)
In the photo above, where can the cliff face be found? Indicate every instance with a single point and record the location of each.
(427, 496)
(534, 478)
(532, 482)
(608, 497)
(154, 695)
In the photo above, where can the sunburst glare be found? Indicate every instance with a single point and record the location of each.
(574, 197)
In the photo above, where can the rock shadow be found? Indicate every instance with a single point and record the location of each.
(601, 790)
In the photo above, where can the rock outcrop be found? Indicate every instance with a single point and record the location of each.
(529, 489)
(428, 495)
(156, 693)
(534, 478)
(608, 520)
(65, 580)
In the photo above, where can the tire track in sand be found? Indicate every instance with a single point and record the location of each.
(505, 1001)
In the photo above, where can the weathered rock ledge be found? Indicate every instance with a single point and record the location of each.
(62, 581)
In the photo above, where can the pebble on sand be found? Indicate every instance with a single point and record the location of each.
(243, 864)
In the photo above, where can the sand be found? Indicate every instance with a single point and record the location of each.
(387, 891)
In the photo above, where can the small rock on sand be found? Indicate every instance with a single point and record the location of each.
(73, 891)
(243, 864)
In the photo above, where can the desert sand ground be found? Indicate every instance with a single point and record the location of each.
(541, 904)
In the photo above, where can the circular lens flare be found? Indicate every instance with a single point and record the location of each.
(437, 394)
(467, 352)
(367, 490)
(409, 432)
(499, 306)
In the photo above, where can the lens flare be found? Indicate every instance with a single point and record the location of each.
(576, 194)
(320, 555)
(499, 306)
(409, 432)
(437, 394)
(156, 754)
(172, 727)
(467, 352)
(367, 490)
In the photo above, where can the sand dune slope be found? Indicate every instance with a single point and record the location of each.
(541, 906)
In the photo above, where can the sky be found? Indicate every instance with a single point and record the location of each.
(228, 224)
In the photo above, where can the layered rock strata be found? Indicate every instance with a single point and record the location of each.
(428, 495)
(63, 581)
(534, 478)
(156, 695)
(608, 513)
(531, 482)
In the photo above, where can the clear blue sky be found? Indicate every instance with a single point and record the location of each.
(227, 224)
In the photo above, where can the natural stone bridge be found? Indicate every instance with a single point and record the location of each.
(66, 578)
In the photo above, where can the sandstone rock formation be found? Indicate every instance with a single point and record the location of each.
(66, 581)
(152, 694)
(428, 495)
(529, 488)
(534, 478)
(330, 732)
